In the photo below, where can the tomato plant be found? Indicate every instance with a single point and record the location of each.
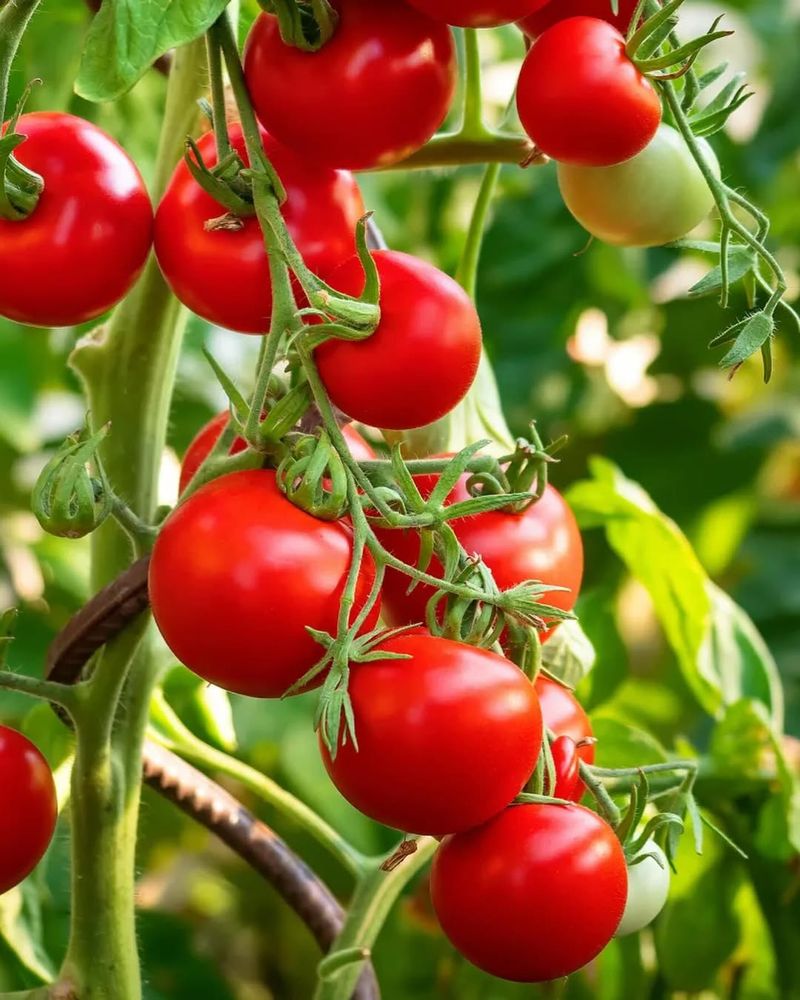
(221, 270)
(29, 813)
(297, 557)
(561, 862)
(580, 97)
(428, 337)
(86, 241)
(375, 93)
(445, 737)
(236, 576)
(616, 204)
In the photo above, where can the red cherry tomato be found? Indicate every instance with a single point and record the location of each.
(205, 439)
(477, 13)
(87, 240)
(542, 543)
(532, 895)
(559, 10)
(28, 807)
(237, 574)
(423, 357)
(581, 99)
(372, 95)
(223, 274)
(446, 738)
(564, 716)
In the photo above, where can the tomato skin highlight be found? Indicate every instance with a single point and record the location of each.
(236, 575)
(446, 739)
(371, 96)
(542, 543)
(477, 13)
(86, 242)
(428, 338)
(28, 807)
(581, 99)
(559, 10)
(532, 895)
(203, 443)
(223, 275)
(656, 197)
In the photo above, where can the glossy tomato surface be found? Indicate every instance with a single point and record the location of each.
(203, 442)
(28, 807)
(542, 543)
(532, 895)
(581, 99)
(446, 738)
(559, 10)
(657, 196)
(223, 274)
(88, 238)
(237, 574)
(372, 95)
(477, 13)
(424, 355)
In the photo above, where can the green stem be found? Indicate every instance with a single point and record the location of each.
(455, 149)
(59, 694)
(472, 124)
(372, 901)
(171, 731)
(467, 273)
(221, 138)
(141, 340)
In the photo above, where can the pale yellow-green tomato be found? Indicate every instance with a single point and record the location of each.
(656, 197)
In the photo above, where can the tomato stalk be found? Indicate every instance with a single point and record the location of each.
(142, 339)
(372, 901)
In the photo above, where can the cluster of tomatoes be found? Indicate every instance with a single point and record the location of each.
(446, 734)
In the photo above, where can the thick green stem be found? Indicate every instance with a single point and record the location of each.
(472, 123)
(457, 149)
(127, 368)
(372, 901)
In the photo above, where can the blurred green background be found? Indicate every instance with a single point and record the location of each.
(602, 345)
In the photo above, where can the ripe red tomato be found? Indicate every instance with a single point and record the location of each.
(223, 274)
(477, 13)
(542, 543)
(237, 574)
(559, 10)
(423, 357)
(581, 99)
(28, 807)
(532, 895)
(446, 739)
(87, 240)
(372, 95)
(564, 716)
(205, 439)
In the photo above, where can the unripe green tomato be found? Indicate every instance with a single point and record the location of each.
(648, 888)
(656, 197)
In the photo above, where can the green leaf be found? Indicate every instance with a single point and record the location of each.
(568, 654)
(740, 263)
(719, 651)
(21, 929)
(753, 335)
(204, 708)
(597, 615)
(127, 36)
(621, 745)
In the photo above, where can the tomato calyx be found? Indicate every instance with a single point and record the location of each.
(20, 187)
(313, 477)
(644, 43)
(224, 182)
(307, 26)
